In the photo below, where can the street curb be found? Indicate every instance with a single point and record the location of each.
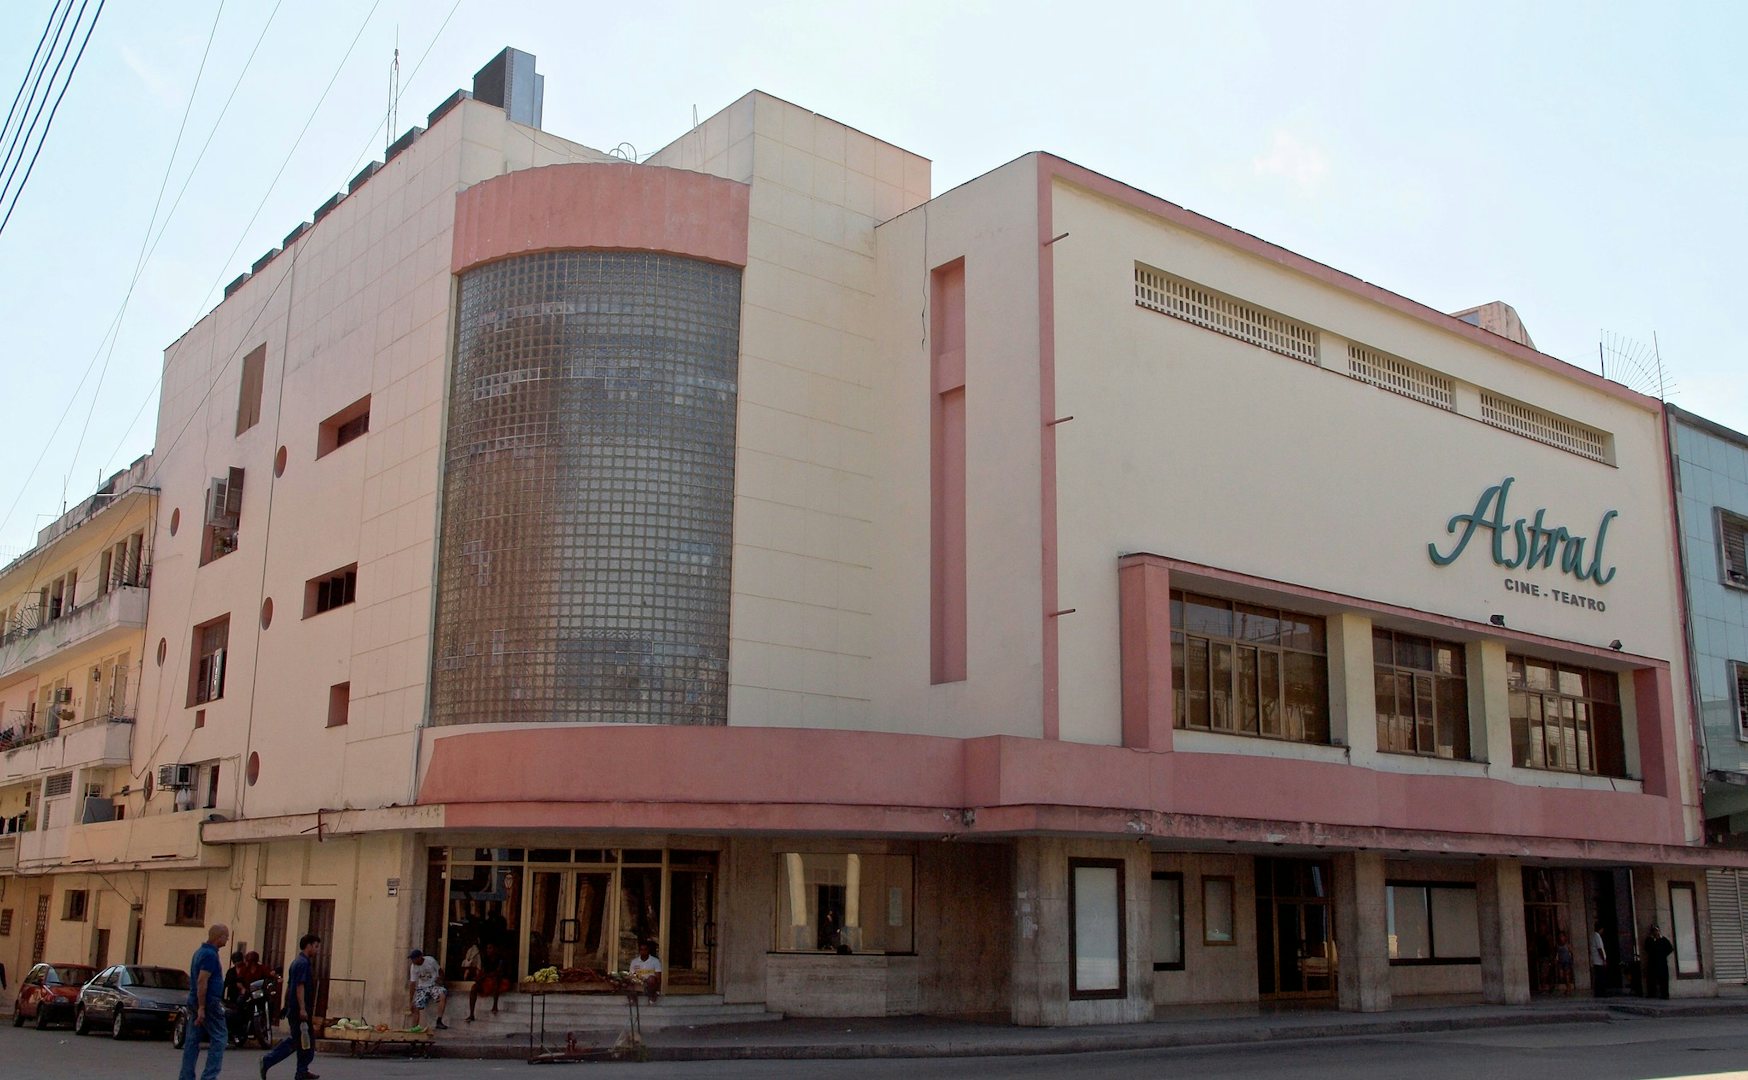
(1217, 1033)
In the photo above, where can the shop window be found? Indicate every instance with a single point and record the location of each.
(335, 589)
(1248, 670)
(187, 907)
(347, 425)
(844, 903)
(73, 905)
(1168, 921)
(1423, 695)
(1684, 929)
(249, 389)
(1565, 718)
(339, 704)
(224, 516)
(1096, 943)
(1733, 548)
(1219, 914)
(1432, 923)
(206, 671)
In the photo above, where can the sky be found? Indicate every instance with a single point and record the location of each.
(1583, 162)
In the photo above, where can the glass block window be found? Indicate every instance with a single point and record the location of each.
(588, 492)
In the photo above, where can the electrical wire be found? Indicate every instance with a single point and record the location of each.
(145, 241)
(31, 100)
(18, 194)
(19, 95)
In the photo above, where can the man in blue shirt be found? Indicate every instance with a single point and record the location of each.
(300, 996)
(206, 1006)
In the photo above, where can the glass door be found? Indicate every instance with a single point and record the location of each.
(1296, 954)
(691, 936)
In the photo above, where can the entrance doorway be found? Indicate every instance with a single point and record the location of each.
(1545, 918)
(583, 909)
(1296, 953)
(1609, 896)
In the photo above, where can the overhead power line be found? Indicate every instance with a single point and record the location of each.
(60, 9)
(43, 138)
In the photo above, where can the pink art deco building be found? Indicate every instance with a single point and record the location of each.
(1037, 600)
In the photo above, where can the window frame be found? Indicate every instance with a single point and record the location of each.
(1231, 905)
(1236, 646)
(199, 686)
(83, 912)
(1176, 877)
(1463, 749)
(1591, 702)
(1698, 970)
(1426, 888)
(173, 914)
(780, 881)
(1075, 993)
(249, 388)
(342, 428)
(1739, 697)
(324, 587)
(1722, 521)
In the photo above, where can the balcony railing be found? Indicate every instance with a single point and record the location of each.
(123, 607)
(99, 740)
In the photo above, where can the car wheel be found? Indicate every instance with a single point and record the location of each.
(42, 1017)
(17, 1015)
(81, 1022)
(179, 1033)
(116, 1028)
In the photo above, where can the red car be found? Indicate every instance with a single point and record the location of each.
(49, 994)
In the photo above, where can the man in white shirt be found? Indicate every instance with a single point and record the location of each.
(1598, 961)
(647, 970)
(425, 988)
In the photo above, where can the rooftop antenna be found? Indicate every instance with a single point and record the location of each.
(1635, 365)
(394, 92)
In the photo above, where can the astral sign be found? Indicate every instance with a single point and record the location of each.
(1527, 542)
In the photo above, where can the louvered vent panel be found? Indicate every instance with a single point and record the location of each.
(1398, 376)
(1158, 291)
(1543, 427)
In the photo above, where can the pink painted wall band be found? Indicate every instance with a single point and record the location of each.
(601, 206)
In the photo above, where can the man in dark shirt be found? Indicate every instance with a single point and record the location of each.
(1657, 950)
(206, 1007)
(300, 996)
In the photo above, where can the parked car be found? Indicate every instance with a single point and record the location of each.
(49, 994)
(132, 997)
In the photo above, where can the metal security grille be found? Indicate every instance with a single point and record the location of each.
(1543, 427)
(1398, 376)
(1726, 892)
(1159, 291)
(588, 492)
(59, 784)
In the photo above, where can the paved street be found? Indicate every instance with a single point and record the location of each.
(1636, 1049)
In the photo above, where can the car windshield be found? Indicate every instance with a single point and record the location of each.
(157, 978)
(71, 975)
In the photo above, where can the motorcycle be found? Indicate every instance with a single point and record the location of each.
(250, 1017)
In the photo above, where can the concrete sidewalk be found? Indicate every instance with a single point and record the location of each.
(928, 1037)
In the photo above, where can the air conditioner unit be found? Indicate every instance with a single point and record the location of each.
(172, 777)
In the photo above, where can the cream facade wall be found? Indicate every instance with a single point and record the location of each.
(989, 224)
(802, 612)
(1245, 460)
(358, 305)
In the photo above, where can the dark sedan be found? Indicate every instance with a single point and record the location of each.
(130, 997)
(48, 993)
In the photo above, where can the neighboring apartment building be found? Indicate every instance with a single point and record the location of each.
(72, 625)
(1711, 463)
(1038, 600)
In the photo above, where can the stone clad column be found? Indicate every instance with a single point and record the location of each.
(1042, 954)
(1363, 966)
(1504, 947)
